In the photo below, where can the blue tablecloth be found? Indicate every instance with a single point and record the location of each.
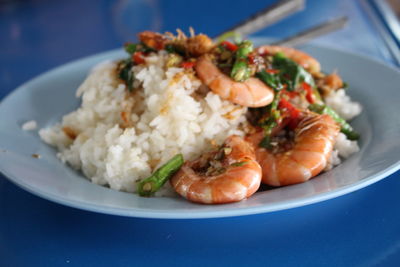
(358, 229)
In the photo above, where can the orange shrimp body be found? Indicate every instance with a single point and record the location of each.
(313, 143)
(333, 81)
(238, 177)
(250, 93)
(301, 58)
(152, 39)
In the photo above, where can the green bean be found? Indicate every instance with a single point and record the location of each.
(153, 183)
(271, 122)
(240, 70)
(244, 49)
(344, 126)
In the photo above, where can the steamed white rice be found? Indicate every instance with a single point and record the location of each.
(168, 117)
(342, 104)
(29, 125)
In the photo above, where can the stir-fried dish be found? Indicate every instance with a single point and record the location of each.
(292, 138)
(289, 129)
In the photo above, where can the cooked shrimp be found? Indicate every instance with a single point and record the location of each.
(228, 175)
(331, 82)
(198, 45)
(195, 45)
(153, 39)
(250, 93)
(301, 58)
(313, 143)
(334, 81)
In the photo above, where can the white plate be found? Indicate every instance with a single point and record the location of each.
(51, 95)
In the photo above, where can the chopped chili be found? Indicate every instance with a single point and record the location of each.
(290, 94)
(138, 57)
(251, 58)
(188, 64)
(309, 92)
(292, 112)
(230, 46)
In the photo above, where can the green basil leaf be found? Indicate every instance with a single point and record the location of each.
(272, 80)
(130, 48)
(127, 75)
(170, 48)
(291, 73)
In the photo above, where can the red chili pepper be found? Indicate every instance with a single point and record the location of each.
(309, 92)
(188, 64)
(230, 46)
(290, 94)
(251, 58)
(293, 112)
(272, 71)
(138, 57)
(284, 104)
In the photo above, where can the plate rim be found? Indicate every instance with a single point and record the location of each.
(159, 214)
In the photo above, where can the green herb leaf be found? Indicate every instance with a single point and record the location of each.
(145, 49)
(126, 74)
(291, 73)
(130, 48)
(170, 48)
(272, 80)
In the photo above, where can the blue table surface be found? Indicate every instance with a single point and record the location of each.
(359, 229)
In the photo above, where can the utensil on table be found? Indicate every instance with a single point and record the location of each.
(312, 33)
(279, 11)
(266, 17)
